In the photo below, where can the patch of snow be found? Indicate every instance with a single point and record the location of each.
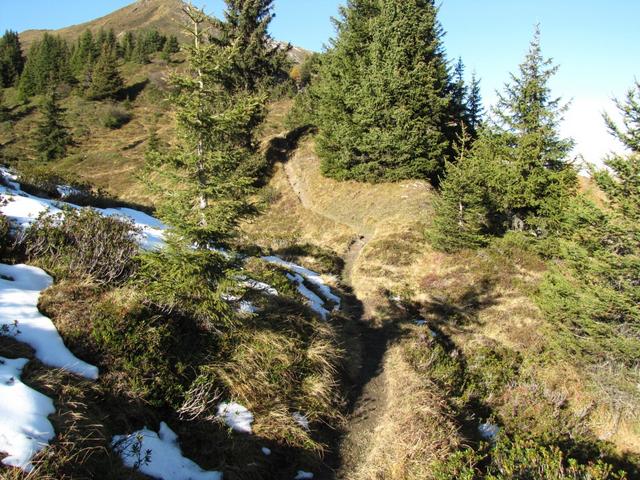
(259, 286)
(236, 416)
(315, 302)
(302, 475)
(420, 323)
(266, 451)
(19, 302)
(311, 276)
(24, 427)
(301, 420)
(488, 431)
(165, 459)
(247, 307)
(67, 190)
(22, 209)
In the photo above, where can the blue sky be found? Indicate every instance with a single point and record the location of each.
(596, 43)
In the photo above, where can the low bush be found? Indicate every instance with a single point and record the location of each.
(115, 118)
(80, 243)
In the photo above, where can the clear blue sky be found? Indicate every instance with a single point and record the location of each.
(596, 43)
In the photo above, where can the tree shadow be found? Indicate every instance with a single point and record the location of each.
(461, 311)
(278, 150)
(131, 92)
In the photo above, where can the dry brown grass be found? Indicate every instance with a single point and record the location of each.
(414, 430)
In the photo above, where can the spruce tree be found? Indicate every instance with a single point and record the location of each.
(127, 46)
(541, 174)
(475, 110)
(171, 46)
(257, 60)
(51, 136)
(383, 95)
(85, 54)
(622, 182)
(46, 67)
(105, 76)
(216, 126)
(11, 59)
(4, 111)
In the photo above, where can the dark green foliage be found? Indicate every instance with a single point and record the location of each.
(139, 46)
(105, 76)
(5, 238)
(83, 243)
(46, 67)
(11, 59)
(4, 111)
(629, 132)
(475, 110)
(383, 95)
(84, 56)
(127, 46)
(51, 137)
(171, 46)
(256, 61)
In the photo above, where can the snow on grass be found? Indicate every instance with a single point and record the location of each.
(311, 276)
(22, 209)
(302, 475)
(158, 455)
(301, 420)
(488, 431)
(236, 417)
(258, 286)
(315, 302)
(24, 427)
(19, 316)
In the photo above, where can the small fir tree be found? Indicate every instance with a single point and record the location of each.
(475, 110)
(11, 59)
(105, 76)
(51, 136)
(171, 46)
(127, 46)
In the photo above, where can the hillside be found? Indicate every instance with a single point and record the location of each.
(163, 15)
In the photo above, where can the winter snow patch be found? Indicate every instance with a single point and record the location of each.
(488, 431)
(301, 420)
(24, 427)
(22, 209)
(266, 451)
(310, 276)
(164, 460)
(302, 475)
(315, 302)
(19, 303)
(236, 417)
(259, 286)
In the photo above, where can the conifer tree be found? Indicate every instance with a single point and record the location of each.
(127, 47)
(105, 76)
(475, 110)
(257, 59)
(171, 46)
(4, 111)
(541, 174)
(11, 59)
(383, 101)
(85, 54)
(46, 67)
(216, 125)
(622, 182)
(52, 136)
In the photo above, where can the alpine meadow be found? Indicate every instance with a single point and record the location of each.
(225, 256)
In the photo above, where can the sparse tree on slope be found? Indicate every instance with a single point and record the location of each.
(84, 55)
(257, 60)
(52, 136)
(383, 101)
(105, 76)
(475, 110)
(11, 59)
